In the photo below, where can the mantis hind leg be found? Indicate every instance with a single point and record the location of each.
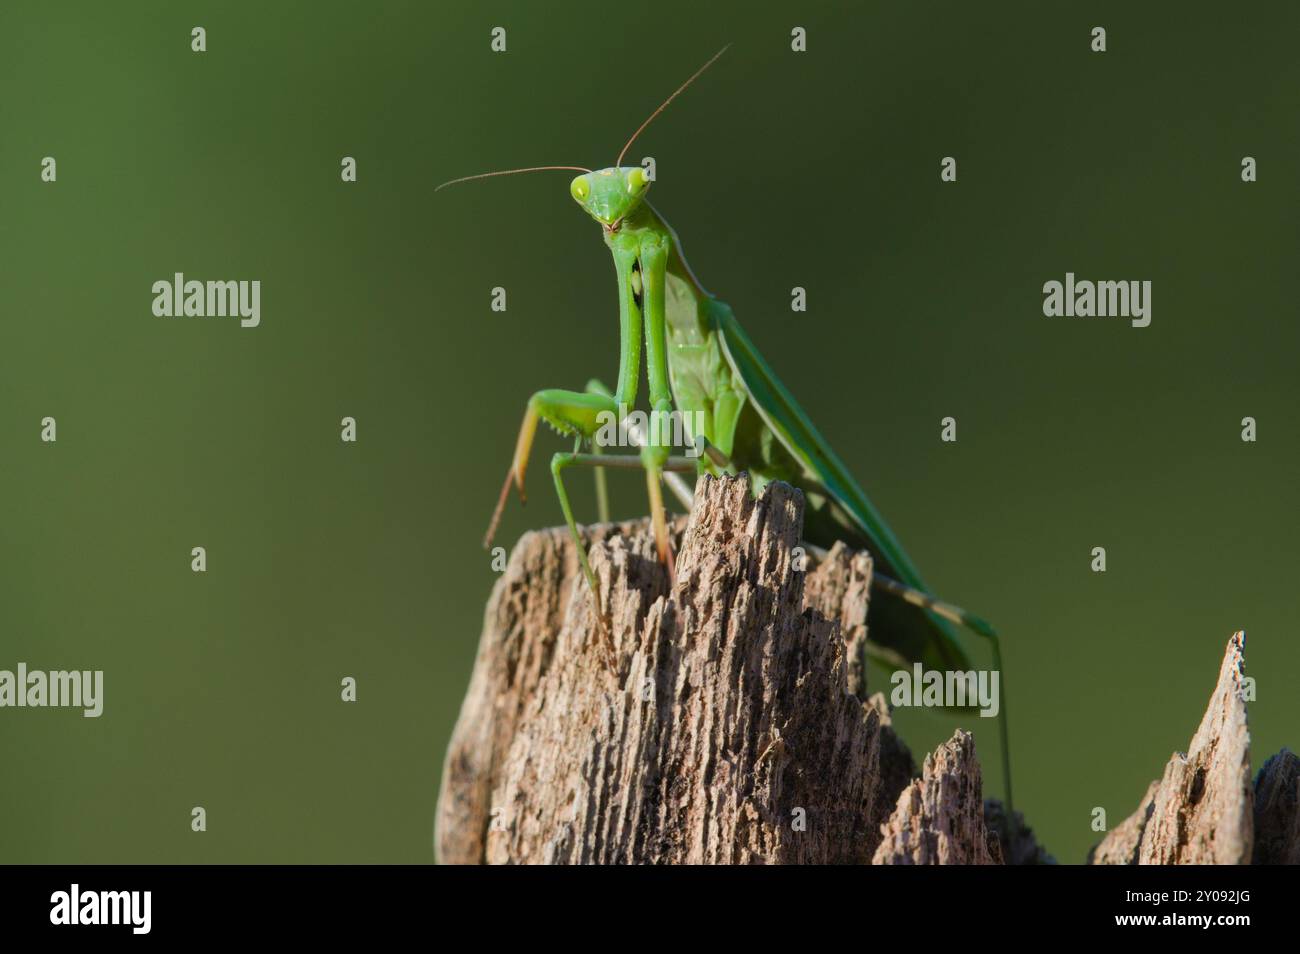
(560, 463)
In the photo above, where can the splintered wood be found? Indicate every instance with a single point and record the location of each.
(1204, 810)
(737, 727)
(940, 817)
(730, 733)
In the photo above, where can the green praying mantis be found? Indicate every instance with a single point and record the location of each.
(701, 364)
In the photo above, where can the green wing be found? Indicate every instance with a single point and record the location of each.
(912, 631)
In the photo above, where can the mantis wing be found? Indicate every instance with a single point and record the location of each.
(914, 632)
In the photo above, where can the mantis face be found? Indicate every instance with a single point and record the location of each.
(610, 195)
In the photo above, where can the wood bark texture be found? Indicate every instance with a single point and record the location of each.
(1205, 809)
(939, 819)
(735, 729)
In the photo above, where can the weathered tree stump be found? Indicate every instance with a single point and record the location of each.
(939, 819)
(733, 731)
(1277, 811)
(1204, 809)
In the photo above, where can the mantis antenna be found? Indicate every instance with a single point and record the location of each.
(510, 172)
(713, 59)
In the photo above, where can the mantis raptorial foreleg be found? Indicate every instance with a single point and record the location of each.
(654, 453)
(569, 412)
(653, 475)
(641, 269)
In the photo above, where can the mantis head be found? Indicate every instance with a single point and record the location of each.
(610, 195)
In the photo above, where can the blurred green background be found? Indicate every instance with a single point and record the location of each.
(778, 169)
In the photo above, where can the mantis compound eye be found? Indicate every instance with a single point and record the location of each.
(636, 181)
(579, 188)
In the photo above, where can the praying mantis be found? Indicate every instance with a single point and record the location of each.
(700, 363)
